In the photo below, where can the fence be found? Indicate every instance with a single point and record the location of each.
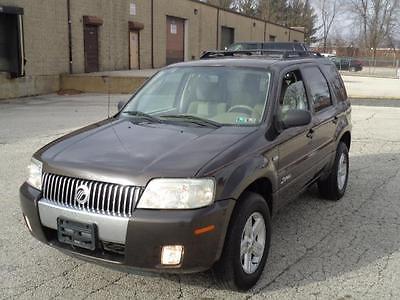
(368, 66)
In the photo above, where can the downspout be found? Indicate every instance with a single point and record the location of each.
(69, 34)
(152, 34)
(217, 28)
(265, 31)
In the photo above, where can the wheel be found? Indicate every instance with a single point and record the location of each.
(246, 246)
(353, 69)
(334, 186)
(238, 108)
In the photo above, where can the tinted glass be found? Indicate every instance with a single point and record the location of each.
(319, 89)
(244, 46)
(278, 46)
(229, 96)
(293, 93)
(337, 83)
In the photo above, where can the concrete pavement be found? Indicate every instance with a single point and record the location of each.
(372, 87)
(320, 250)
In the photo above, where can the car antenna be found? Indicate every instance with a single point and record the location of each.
(109, 65)
(107, 79)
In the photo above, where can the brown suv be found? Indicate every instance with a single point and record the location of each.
(187, 175)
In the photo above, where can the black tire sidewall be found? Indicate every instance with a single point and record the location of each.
(250, 204)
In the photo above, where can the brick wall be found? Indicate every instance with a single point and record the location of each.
(46, 35)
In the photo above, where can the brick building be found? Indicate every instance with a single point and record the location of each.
(55, 37)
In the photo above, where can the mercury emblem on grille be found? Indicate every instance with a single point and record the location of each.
(82, 194)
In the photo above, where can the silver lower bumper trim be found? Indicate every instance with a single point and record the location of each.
(110, 228)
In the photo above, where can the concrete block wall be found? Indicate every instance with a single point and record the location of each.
(47, 46)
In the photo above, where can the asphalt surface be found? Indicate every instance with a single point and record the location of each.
(320, 249)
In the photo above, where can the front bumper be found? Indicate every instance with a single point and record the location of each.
(146, 232)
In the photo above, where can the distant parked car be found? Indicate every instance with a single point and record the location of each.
(284, 46)
(328, 55)
(347, 64)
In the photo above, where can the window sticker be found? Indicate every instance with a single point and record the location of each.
(245, 120)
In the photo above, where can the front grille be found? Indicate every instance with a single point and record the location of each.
(104, 198)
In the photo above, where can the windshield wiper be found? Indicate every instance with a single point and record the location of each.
(194, 119)
(142, 115)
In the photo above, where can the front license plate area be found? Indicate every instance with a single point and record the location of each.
(77, 234)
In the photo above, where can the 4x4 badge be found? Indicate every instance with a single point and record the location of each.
(82, 194)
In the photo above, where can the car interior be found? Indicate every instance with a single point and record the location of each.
(236, 99)
(293, 93)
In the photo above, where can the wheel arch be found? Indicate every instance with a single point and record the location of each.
(263, 187)
(346, 138)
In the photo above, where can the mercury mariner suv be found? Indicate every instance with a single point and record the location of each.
(187, 175)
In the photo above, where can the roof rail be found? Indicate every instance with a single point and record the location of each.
(280, 54)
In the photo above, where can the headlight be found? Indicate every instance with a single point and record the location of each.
(35, 174)
(177, 194)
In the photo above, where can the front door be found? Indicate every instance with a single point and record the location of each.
(295, 144)
(134, 50)
(175, 40)
(91, 45)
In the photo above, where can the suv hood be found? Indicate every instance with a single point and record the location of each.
(120, 151)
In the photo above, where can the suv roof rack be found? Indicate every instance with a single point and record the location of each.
(280, 54)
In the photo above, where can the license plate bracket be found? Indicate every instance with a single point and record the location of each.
(77, 234)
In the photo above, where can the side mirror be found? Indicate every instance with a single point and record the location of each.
(294, 118)
(121, 104)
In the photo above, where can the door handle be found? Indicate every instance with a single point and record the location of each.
(310, 133)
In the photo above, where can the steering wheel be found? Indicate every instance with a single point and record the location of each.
(241, 108)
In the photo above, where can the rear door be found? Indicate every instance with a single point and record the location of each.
(324, 121)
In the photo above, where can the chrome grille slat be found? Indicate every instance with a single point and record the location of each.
(105, 198)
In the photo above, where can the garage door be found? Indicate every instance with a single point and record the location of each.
(175, 40)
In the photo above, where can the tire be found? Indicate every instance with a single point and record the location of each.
(228, 271)
(334, 186)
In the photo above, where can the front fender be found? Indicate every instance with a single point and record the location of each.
(234, 178)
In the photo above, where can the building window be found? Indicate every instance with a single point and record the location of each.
(272, 38)
(12, 59)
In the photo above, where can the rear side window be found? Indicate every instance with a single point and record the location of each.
(319, 89)
(336, 80)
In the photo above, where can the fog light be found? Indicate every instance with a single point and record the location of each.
(28, 224)
(171, 255)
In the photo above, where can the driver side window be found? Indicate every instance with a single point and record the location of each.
(293, 93)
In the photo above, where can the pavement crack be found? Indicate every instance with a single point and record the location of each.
(105, 286)
(180, 296)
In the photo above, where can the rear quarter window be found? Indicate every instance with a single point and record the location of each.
(336, 81)
(319, 88)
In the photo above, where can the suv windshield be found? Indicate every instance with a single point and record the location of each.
(208, 96)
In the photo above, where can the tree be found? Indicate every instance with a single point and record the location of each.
(378, 20)
(301, 13)
(329, 10)
(222, 3)
(248, 7)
